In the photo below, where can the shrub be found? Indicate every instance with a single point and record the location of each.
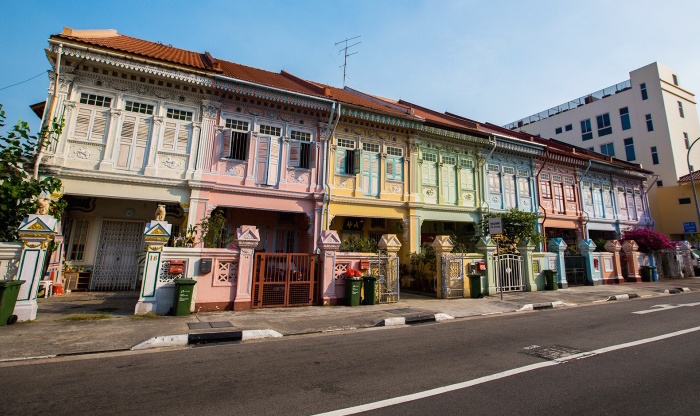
(647, 240)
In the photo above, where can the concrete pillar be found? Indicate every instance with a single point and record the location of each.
(35, 232)
(156, 235)
(683, 252)
(587, 248)
(391, 244)
(630, 249)
(558, 246)
(328, 244)
(247, 238)
(614, 246)
(442, 246)
(526, 248)
(487, 246)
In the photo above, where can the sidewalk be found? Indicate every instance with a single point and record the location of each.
(51, 334)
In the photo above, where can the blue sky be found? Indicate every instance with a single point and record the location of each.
(493, 61)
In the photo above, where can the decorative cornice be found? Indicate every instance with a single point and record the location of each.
(268, 95)
(379, 118)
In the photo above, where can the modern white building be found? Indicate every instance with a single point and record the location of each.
(649, 119)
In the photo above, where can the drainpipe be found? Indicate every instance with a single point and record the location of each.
(588, 216)
(484, 181)
(47, 124)
(652, 222)
(326, 152)
(539, 203)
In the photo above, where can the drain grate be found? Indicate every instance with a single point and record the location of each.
(404, 311)
(551, 352)
(209, 325)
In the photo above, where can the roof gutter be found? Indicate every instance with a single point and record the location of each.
(253, 84)
(588, 216)
(539, 199)
(484, 178)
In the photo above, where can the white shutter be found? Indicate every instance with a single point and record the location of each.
(183, 136)
(169, 136)
(340, 155)
(125, 141)
(141, 144)
(429, 174)
(448, 184)
(82, 124)
(273, 164)
(294, 153)
(365, 174)
(467, 179)
(261, 159)
(99, 126)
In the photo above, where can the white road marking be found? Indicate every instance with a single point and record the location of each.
(666, 307)
(465, 384)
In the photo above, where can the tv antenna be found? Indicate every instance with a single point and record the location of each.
(345, 49)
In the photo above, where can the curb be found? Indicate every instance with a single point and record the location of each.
(544, 305)
(414, 319)
(205, 338)
(623, 297)
(676, 290)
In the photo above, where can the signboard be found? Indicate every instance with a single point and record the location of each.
(689, 227)
(495, 226)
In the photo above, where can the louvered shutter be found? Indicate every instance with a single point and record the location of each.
(226, 143)
(357, 155)
(183, 136)
(374, 174)
(429, 174)
(169, 136)
(467, 179)
(261, 159)
(126, 141)
(141, 144)
(390, 168)
(294, 153)
(340, 155)
(274, 161)
(448, 183)
(99, 126)
(82, 124)
(366, 174)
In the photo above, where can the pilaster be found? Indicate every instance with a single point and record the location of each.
(328, 244)
(487, 246)
(155, 235)
(630, 249)
(587, 248)
(558, 246)
(442, 246)
(247, 238)
(526, 248)
(614, 246)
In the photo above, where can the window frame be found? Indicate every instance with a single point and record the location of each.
(654, 155)
(629, 149)
(305, 148)
(650, 122)
(625, 118)
(603, 124)
(92, 111)
(643, 90)
(586, 130)
(241, 135)
(607, 147)
(680, 109)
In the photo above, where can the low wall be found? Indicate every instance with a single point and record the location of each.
(10, 254)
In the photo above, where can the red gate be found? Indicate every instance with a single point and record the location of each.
(283, 279)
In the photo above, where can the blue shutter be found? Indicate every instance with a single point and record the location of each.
(340, 155)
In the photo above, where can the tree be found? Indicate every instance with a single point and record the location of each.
(213, 229)
(647, 240)
(517, 226)
(18, 189)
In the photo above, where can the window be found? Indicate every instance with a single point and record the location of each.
(394, 151)
(660, 184)
(684, 201)
(586, 131)
(236, 146)
(558, 197)
(429, 169)
(592, 149)
(680, 109)
(448, 179)
(348, 144)
(650, 124)
(135, 107)
(177, 133)
(300, 149)
(370, 147)
(675, 79)
(271, 130)
(76, 239)
(394, 163)
(568, 127)
(625, 118)
(546, 189)
(607, 149)
(569, 192)
(557, 130)
(345, 158)
(603, 122)
(643, 89)
(654, 155)
(686, 140)
(524, 187)
(494, 179)
(466, 173)
(629, 149)
(133, 136)
(91, 118)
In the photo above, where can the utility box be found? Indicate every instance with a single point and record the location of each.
(204, 266)
(176, 267)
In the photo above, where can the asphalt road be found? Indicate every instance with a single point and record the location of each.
(469, 359)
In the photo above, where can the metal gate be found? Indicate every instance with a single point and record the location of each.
(283, 279)
(116, 264)
(386, 268)
(509, 273)
(575, 270)
(452, 282)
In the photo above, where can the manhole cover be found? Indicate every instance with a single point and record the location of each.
(222, 324)
(198, 325)
(551, 352)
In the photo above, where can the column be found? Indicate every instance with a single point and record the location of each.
(526, 248)
(487, 246)
(614, 246)
(113, 128)
(329, 244)
(247, 238)
(196, 147)
(392, 245)
(156, 235)
(630, 249)
(151, 167)
(35, 232)
(207, 149)
(558, 246)
(587, 248)
(442, 246)
(683, 251)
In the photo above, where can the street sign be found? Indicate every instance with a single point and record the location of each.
(689, 227)
(495, 226)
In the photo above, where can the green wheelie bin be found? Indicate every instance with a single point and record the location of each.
(370, 283)
(475, 286)
(9, 289)
(352, 292)
(183, 296)
(550, 277)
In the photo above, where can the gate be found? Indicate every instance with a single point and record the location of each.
(283, 279)
(116, 264)
(452, 276)
(386, 268)
(575, 270)
(509, 273)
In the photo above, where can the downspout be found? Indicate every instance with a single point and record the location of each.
(326, 152)
(539, 202)
(46, 124)
(485, 180)
(652, 222)
(588, 216)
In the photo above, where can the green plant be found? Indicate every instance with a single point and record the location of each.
(423, 261)
(600, 244)
(517, 226)
(358, 245)
(647, 240)
(87, 317)
(213, 230)
(19, 190)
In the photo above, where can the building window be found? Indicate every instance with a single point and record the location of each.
(91, 118)
(603, 122)
(569, 192)
(650, 124)
(607, 149)
(586, 131)
(524, 187)
(546, 189)
(592, 149)
(96, 100)
(175, 114)
(300, 149)
(370, 147)
(177, 132)
(394, 151)
(684, 201)
(568, 127)
(136, 107)
(675, 79)
(643, 88)
(558, 130)
(271, 130)
(625, 118)
(429, 169)
(238, 142)
(77, 237)
(660, 184)
(345, 155)
(133, 135)
(654, 156)
(680, 109)
(494, 179)
(629, 149)
(686, 140)
(394, 164)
